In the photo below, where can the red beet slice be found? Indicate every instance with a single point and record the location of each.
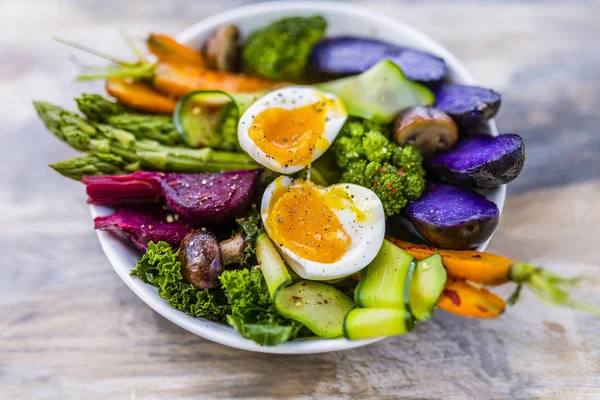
(453, 218)
(481, 161)
(145, 224)
(196, 198)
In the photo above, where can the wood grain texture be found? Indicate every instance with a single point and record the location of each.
(70, 329)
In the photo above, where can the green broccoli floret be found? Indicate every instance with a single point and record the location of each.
(394, 173)
(377, 146)
(281, 49)
(348, 149)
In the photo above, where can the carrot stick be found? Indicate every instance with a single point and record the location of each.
(139, 96)
(178, 80)
(167, 49)
(458, 297)
(480, 267)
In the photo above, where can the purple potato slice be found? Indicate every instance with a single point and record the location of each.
(145, 224)
(467, 105)
(349, 55)
(453, 218)
(480, 161)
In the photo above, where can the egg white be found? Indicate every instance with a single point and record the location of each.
(366, 236)
(289, 98)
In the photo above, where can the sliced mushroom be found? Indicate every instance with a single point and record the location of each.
(232, 250)
(203, 258)
(427, 128)
(221, 48)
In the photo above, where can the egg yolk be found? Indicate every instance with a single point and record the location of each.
(290, 137)
(301, 220)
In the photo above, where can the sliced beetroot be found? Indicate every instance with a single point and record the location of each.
(480, 161)
(145, 224)
(467, 105)
(196, 198)
(453, 218)
(351, 55)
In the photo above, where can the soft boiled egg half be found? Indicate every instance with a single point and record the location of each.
(289, 128)
(323, 233)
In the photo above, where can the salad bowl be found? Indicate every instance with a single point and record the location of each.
(343, 19)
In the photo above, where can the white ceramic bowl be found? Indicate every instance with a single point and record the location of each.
(342, 18)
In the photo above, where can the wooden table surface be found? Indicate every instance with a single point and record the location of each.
(70, 329)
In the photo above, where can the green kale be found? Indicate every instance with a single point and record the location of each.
(160, 267)
(253, 314)
(281, 49)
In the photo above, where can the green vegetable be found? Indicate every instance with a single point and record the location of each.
(95, 139)
(319, 306)
(426, 286)
(369, 158)
(365, 323)
(209, 118)
(143, 126)
(107, 164)
(280, 50)
(379, 93)
(271, 264)
(250, 226)
(160, 267)
(252, 312)
(385, 281)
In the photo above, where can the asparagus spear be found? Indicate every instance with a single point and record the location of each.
(97, 139)
(76, 168)
(143, 126)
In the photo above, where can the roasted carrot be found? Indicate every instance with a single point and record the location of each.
(480, 267)
(178, 80)
(167, 49)
(459, 297)
(139, 96)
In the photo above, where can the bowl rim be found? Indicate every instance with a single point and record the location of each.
(224, 334)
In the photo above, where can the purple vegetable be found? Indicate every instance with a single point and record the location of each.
(196, 198)
(145, 224)
(453, 218)
(351, 55)
(481, 161)
(467, 105)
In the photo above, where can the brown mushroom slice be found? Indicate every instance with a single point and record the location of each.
(200, 257)
(427, 128)
(232, 250)
(221, 48)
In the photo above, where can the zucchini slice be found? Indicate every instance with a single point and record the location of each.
(319, 306)
(379, 93)
(365, 323)
(271, 264)
(384, 283)
(208, 118)
(426, 286)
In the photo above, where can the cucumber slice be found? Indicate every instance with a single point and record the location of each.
(365, 323)
(379, 93)
(319, 306)
(426, 286)
(383, 284)
(200, 117)
(271, 264)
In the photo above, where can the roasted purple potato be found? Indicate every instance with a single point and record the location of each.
(467, 105)
(480, 161)
(453, 218)
(351, 55)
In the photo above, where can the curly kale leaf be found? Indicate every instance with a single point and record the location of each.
(160, 267)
